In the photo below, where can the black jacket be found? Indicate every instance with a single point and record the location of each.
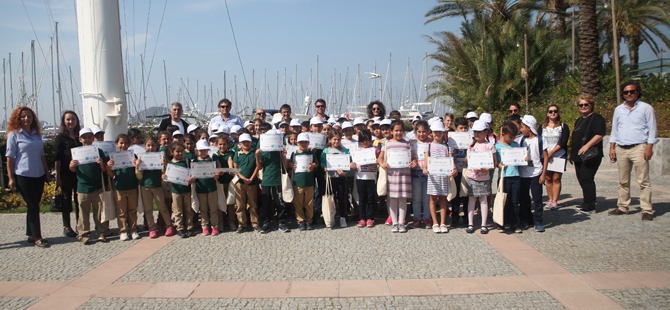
(168, 121)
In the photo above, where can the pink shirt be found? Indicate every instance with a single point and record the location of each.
(481, 175)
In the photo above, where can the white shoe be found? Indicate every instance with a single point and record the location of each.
(124, 237)
(343, 222)
(135, 236)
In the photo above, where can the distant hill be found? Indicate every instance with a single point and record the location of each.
(157, 113)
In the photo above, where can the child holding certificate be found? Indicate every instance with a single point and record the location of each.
(478, 182)
(189, 143)
(224, 159)
(271, 190)
(337, 177)
(461, 125)
(181, 195)
(350, 142)
(438, 185)
(207, 196)
(366, 183)
(246, 188)
(303, 184)
(89, 186)
(420, 198)
(399, 179)
(532, 176)
(151, 190)
(512, 182)
(125, 183)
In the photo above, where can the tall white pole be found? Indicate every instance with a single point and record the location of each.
(60, 94)
(102, 85)
(53, 94)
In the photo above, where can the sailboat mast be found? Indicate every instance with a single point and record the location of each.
(167, 93)
(34, 76)
(60, 95)
(53, 95)
(4, 88)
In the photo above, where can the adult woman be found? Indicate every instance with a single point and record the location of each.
(449, 121)
(555, 135)
(376, 109)
(588, 133)
(27, 168)
(67, 138)
(514, 108)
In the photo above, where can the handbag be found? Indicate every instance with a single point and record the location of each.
(383, 181)
(451, 188)
(464, 183)
(57, 203)
(592, 152)
(499, 202)
(328, 203)
(108, 203)
(286, 184)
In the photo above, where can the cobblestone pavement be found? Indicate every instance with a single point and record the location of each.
(654, 298)
(17, 302)
(534, 300)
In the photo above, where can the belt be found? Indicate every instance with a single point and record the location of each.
(628, 147)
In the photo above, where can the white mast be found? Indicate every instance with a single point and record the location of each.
(100, 55)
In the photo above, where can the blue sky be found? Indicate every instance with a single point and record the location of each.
(197, 45)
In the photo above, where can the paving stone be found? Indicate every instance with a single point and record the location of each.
(17, 303)
(649, 298)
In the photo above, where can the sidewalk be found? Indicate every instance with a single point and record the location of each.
(580, 262)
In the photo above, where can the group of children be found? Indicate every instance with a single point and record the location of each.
(261, 171)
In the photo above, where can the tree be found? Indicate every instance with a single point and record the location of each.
(464, 8)
(589, 61)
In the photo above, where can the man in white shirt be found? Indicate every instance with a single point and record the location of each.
(225, 118)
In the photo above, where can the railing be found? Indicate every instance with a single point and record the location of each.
(660, 66)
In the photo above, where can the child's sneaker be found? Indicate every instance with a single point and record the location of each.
(284, 228)
(436, 229)
(232, 226)
(265, 229)
(429, 223)
(205, 231)
(169, 232)
(395, 228)
(370, 223)
(554, 205)
(182, 234)
(415, 224)
(135, 235)
(153, 234)
(361, 223)
(402, 229)
(301, 227)
(309, 226)
(215, 231)
(124, 237)
(343, 222)
(389, 221)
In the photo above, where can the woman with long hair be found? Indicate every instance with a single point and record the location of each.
(376, 109)
(67, 138)
(555, 135)
(27, 168)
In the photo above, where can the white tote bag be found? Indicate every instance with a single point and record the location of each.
(221, 198)
(328, 204)
(286, 184)
(232, 191)
(108, 202)
(464, 183)
(499, 202)
(383, 181)
(195, 203)
(140, 202)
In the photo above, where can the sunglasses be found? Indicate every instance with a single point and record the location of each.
(513, 111)
(552, 111)
(583, 105)
(626, 92)
(320, 106)
(224, 106)
(376, 109)
(261, 113)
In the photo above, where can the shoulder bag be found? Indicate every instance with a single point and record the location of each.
(592, 152)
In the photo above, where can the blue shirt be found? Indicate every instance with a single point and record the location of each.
(217, 121)
(510, 171)
(636, 126)
(27, 151)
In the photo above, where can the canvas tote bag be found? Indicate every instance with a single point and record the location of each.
(383, 181)
(328, 203)
(499, 203)
(286, 184)
(108, 203)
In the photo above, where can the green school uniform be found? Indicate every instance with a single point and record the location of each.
(177, 188)
(304, 179)
(89, 176)
(204, 186)
(151, 178)
(247, 164)
(271, 168)
(190, 156)
(223, 160)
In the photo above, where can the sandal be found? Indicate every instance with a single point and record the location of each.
(436, 228)
(484, 230)
(42, 243)
(470, 229)
(444, 228)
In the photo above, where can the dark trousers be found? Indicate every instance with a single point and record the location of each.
(320, 189)
(69, 190)
(512, 187)
(367, 192)
(339, 189)
(457, 201)
(31, 190)
(530, 186)
(271, 194)
(586, 173)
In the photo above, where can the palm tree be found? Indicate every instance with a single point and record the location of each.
(465, 8)
(589, 62)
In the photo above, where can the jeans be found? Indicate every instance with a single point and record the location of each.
(339, 187)
(420, 198)
(31, 190)
(367, 192)
(268, 195)
(586, 173)
(512, 187)
(69, 190)
(531, 186)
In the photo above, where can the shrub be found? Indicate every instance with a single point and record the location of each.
(10, 200)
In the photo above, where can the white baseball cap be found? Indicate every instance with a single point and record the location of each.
(346, 125)
(85, 131)
(97, 130)
(283, 123)
(303, 137)
(376, 118)
(192, 128)
(417, 118)
(247, 123)
(437, 126)
(235, 129)
(359, 121)
(177, 133)
(315, 121)
(332, 120)
(486, 117)
(224, 129)
(295, 122)
(471, 115)
(376, 123)
(201, 145)
(386, 122)
(479, 125)
(213, 136)
(531, 122)
(245, 137)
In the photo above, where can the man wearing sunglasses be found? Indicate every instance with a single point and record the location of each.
(260, 114)
(225, 106)
(632, 139)
(320, 106)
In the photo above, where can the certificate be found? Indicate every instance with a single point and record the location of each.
(459, 140)
(441, 166)
(338, 161)
(317, 140)
(302, 162)
(137, 149)
(480, 160)
(399, 158)
(515, 156)
(177, 174)
(122, 159)
(271, 142)
(290, 149)
(85, 154)
(364, 157)
(556, 164)
(203, 169)
(150, 161)
(419, 149)
(349, 144)
(106, 146)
